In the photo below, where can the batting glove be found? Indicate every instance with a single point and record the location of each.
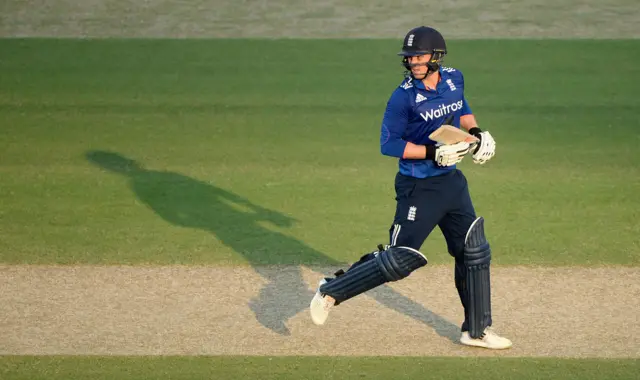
(448, 155)
(485, 149)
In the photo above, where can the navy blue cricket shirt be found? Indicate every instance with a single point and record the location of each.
(413, 113)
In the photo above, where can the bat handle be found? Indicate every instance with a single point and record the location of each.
(472, 147)
(448, 120)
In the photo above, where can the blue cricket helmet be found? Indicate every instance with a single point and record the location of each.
(423, 40)
(420, 41)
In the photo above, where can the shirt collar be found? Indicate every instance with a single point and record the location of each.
(420, 85)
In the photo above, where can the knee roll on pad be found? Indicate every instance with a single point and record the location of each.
(397, 263)
(477, 259)
(476, 247)
(392, 264)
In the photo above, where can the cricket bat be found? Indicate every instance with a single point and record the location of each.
(448, 134)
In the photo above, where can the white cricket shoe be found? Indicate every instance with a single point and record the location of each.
(489, 339)
(320, 305)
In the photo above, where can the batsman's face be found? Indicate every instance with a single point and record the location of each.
(419, 64)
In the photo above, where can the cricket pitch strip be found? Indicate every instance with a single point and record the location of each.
(183, 310)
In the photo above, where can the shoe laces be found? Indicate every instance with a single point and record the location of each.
(489, 331)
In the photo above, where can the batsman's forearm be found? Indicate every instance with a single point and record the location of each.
(468, 122)
(415, 152)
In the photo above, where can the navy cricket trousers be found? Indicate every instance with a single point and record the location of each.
(423, 204)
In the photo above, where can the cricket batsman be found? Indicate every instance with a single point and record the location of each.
(430, 192)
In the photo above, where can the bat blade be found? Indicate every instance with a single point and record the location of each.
(448, 134)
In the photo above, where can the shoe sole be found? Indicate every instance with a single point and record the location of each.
(481, 344)
(318, 315)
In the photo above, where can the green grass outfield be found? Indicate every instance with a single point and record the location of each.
(266, 151)
(267, 368)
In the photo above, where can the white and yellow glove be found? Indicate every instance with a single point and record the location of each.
(484, 149)
(448, 155)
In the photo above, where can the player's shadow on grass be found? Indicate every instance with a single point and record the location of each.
(236, 222)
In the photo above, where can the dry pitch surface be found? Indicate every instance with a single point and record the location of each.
(564, 312)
